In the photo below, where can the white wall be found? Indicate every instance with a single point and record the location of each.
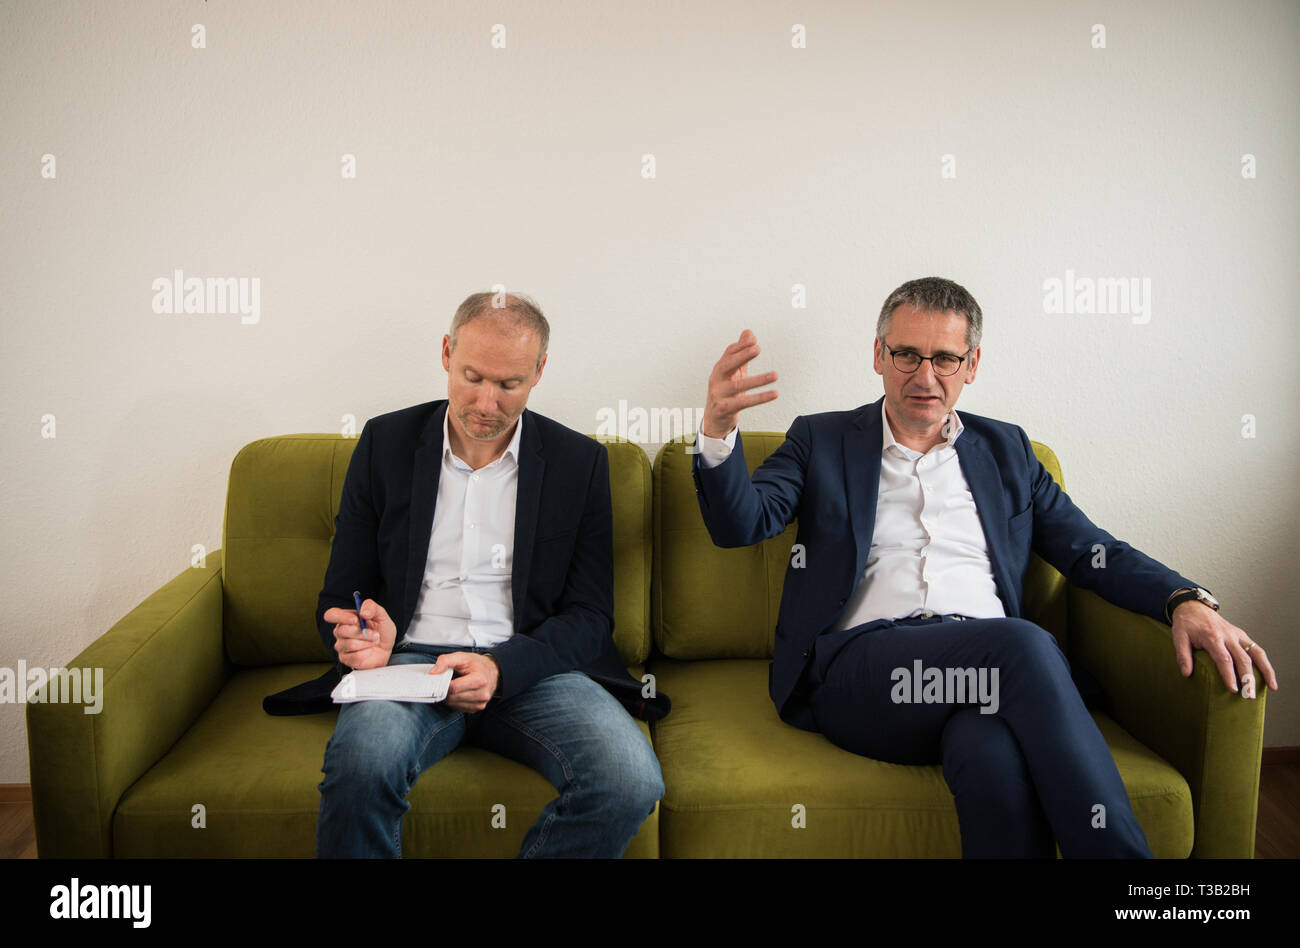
(522, 165)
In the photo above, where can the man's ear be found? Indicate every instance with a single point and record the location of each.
(877, 362)
(974, 364)
(541, 365)
(446, 352)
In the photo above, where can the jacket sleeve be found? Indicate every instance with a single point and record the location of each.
(581, 628)
(1091, 558)
(354, 554)
(739, 510)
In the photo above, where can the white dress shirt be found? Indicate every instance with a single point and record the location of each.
(465, 595)
(928, 551)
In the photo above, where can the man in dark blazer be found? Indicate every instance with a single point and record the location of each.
(480, 535)
(900, 634)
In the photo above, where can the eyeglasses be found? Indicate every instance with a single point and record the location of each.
(909, 360)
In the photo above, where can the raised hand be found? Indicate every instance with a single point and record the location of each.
(729, 386)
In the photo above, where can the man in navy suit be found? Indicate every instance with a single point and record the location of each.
(482, 535)
(900, 634)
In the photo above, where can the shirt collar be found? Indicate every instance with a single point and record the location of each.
(512, 448)
(952, 429)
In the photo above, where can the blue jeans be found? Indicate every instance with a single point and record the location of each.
(566, 727)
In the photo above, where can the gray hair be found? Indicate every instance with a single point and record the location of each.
(526, 313)
(937, 294)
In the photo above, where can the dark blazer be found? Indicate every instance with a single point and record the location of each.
(827, 474)
(562, 578)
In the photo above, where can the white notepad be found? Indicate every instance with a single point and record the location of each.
(392, 683)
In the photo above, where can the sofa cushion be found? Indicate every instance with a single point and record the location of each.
(256, 777)
(281, 498)
(734, 773)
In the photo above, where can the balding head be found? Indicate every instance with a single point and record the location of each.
(513, 311)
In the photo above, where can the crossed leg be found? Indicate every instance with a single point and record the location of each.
(1046, 761)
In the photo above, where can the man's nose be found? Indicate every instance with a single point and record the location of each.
(925, 375)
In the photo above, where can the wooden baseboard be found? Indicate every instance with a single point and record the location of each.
(1281, 755)
(15, 793)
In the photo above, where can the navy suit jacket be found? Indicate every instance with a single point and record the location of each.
(562, 576)
(827, 474)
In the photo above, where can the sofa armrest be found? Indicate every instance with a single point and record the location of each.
(163, 664)
(1212, 736)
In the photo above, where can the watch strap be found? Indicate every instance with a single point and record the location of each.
(1185, 595)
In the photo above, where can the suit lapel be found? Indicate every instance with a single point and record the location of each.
(424, 493)
(981, 473)
(861, 459)
(532, 465)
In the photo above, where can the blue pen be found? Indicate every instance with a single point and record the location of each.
(356, 596)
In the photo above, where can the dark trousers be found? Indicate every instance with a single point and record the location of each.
(1034, 772)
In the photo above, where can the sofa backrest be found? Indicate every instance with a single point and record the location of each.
(710, 602)
(281, 499)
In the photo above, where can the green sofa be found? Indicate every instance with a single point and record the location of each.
(183, 761)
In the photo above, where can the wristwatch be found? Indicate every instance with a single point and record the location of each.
(1187, 595)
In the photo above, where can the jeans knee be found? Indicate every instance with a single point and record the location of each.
(637, 788)
(363, 768)
(651, 791)
(639, 799)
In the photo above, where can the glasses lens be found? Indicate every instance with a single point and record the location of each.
(946, 364)
(906, 361)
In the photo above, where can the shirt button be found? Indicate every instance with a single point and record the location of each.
(475, 477)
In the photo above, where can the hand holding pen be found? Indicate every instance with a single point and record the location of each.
(365, 638)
